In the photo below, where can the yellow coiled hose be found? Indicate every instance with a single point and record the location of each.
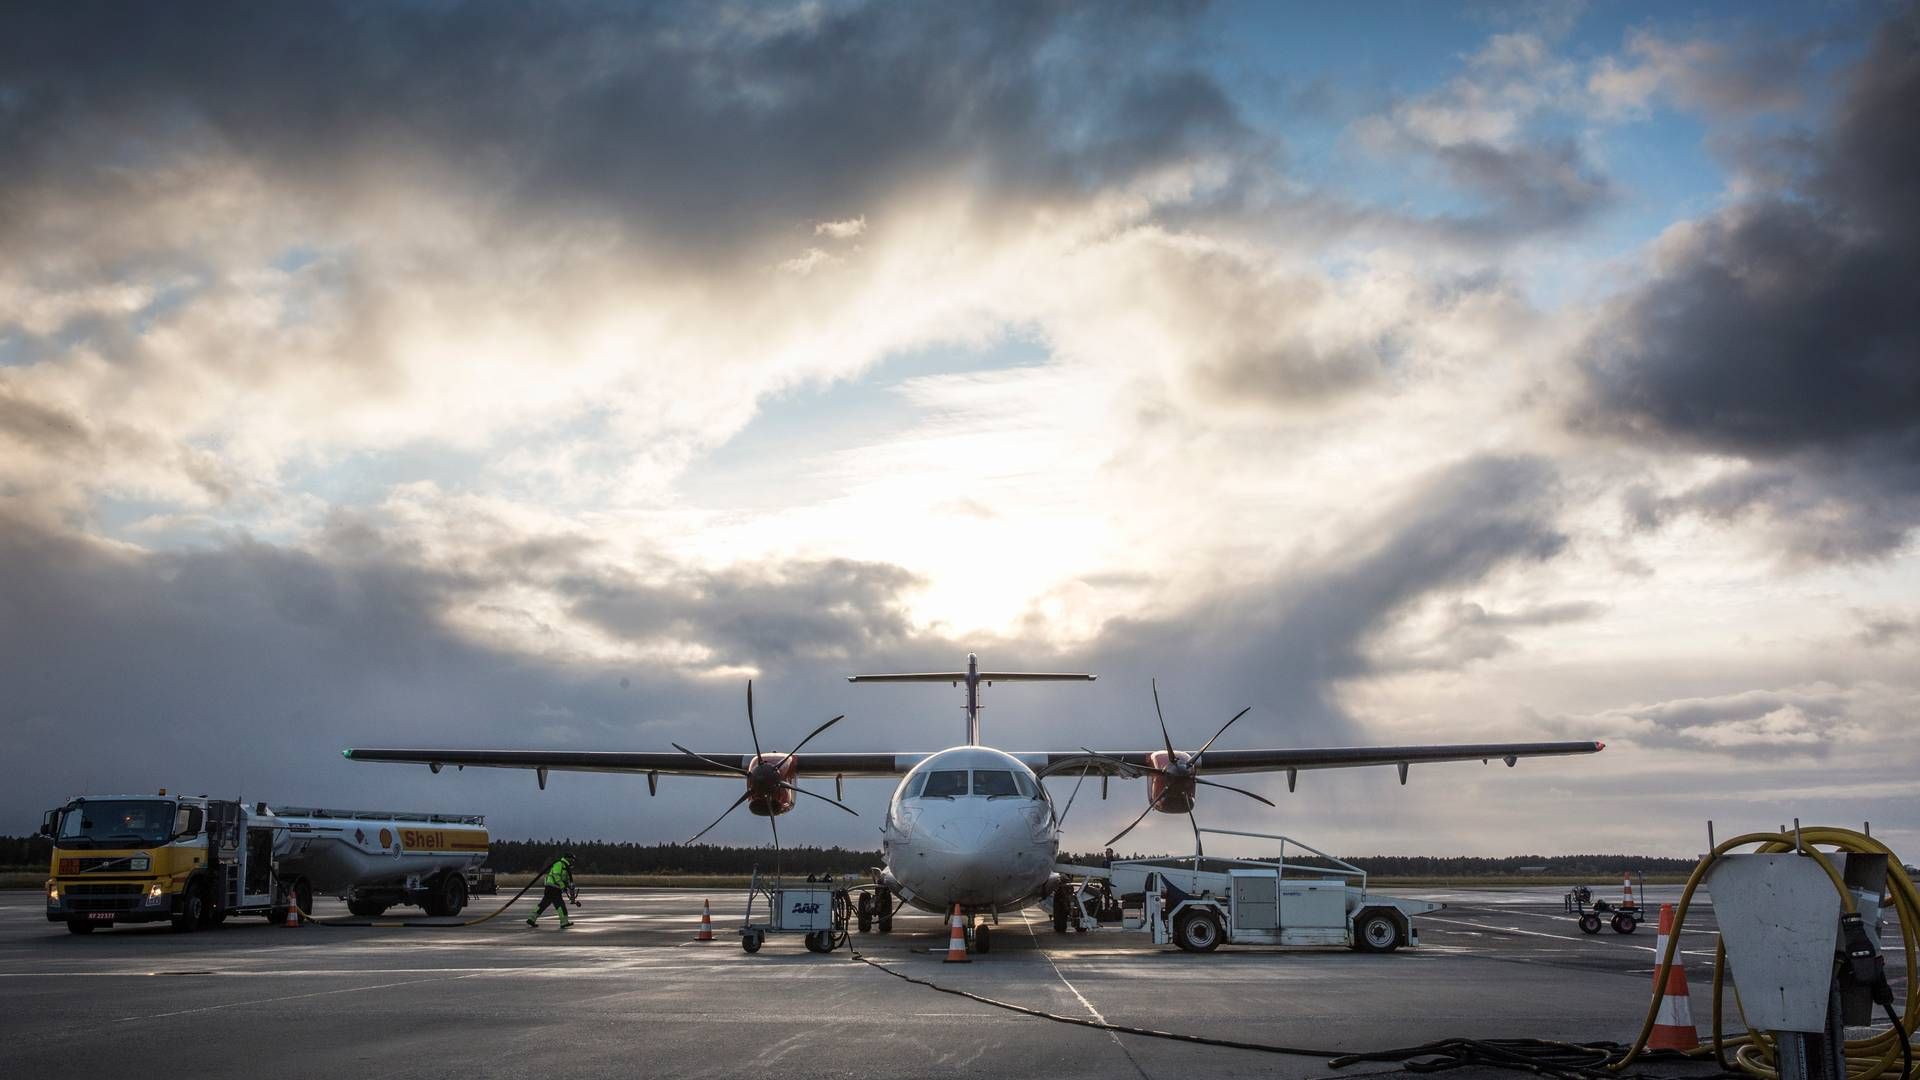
(1753, 1052)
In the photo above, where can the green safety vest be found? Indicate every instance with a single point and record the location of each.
(561, 874)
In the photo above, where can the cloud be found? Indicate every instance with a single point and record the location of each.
(252, 663)
(842, 230)
(1459, 632)
(1481, 131)
(1780, 332)
(1720, 77)
(1879, 629)
(1814, 719)
(597, 217)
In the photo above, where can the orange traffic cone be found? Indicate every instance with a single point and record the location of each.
(1626, 891)
(957, 939)
(1673, 1023)
(293, 910)
(706, 922)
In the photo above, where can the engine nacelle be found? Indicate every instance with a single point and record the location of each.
(768, 777)
(1170, 789)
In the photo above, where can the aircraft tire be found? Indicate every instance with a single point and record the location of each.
(983, 939)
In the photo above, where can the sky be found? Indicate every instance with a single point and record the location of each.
(533, 376)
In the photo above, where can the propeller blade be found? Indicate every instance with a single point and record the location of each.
(1222, 731)
(1164, 737)
(809, 738)
(824, 799)
(722, 817)
(1136, 823)
(774, 821)
(1230, 787)
(708, 760)
(1126, 768)
(751, 730)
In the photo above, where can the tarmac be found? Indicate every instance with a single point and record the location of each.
(627, 991)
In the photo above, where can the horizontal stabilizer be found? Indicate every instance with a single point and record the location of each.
(984, 676)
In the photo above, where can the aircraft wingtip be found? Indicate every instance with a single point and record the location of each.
(347, 753)
(1598, 745)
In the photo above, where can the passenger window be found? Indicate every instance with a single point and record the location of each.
(993, 782)
(946, 784)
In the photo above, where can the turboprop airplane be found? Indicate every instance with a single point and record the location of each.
(970, 825)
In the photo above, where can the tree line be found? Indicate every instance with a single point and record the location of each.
(605, 857)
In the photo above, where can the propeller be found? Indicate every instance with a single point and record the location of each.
(765, 776)
(1180, 773)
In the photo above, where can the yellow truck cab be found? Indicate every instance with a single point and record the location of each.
(189, 860)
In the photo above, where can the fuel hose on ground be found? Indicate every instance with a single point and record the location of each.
(414, 924)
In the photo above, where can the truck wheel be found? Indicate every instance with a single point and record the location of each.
(193, 909)
(303, 895)
(79, 926)
(367, 909)
(453, 894)
(750, 942)
(1589, 923)
(1196, 931)
(1376, 931)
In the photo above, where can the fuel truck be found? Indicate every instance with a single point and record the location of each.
(193, 861)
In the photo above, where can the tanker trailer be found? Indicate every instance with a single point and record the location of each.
(375, 859)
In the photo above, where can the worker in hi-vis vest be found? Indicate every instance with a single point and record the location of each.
(559, 888)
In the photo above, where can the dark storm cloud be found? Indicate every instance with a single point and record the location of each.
(1283, 643)
(697, 126)
(832, 609)
(250, 665)
(1783, 332)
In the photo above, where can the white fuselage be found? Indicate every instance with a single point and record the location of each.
(971, 826)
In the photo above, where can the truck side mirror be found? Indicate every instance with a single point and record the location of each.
(48, 821)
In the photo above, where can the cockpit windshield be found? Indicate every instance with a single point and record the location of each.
(116, 823)
(992, 783)
(946, 783)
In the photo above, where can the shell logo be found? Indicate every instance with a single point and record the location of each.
(386, 838)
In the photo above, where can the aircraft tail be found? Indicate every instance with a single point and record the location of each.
(973, 677)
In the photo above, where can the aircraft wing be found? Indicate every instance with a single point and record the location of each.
(1291, 761)
(671, 762)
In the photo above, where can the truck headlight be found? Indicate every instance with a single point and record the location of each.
(154, 891)
(53, 893)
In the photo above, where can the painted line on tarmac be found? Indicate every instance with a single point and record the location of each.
(291, 997)
(1563, 938)
(1084, 1003)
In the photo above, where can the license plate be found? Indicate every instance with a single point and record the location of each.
(101, 916)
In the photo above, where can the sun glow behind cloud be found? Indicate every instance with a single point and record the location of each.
(788, 340)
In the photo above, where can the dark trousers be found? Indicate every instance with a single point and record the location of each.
(555, 897)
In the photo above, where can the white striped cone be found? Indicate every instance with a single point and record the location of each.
(706, 922)
(957, 939)
(293, 910)
(1626, 891)
(1673, 1021)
